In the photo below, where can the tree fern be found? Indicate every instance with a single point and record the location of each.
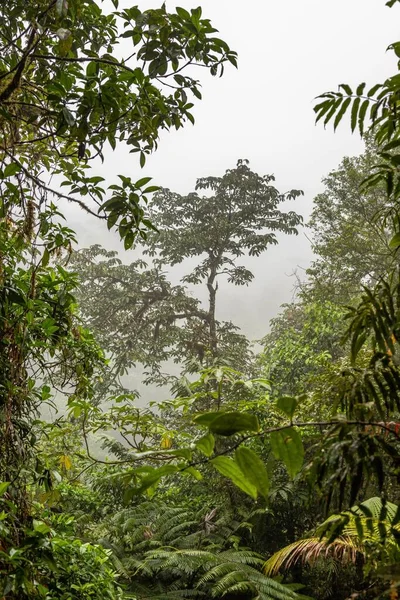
(223, 573)
(178, 552)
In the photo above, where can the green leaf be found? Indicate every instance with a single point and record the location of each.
(112, 219)
(68, 116)
(360, 89)
(41, 527)
(341, 112)
(390, 146)
(321, 109)
(11, 169)
(196, 12)
(45, 258)
(374, 89)
(345, 87)
(288, 447)
(334, 105)
(193, 472)
(253, 469)
(206, 418)
(354, 113)
(206, 444)
(288, 405)
(228, 468)
(141, 182)
(151, 189)
(129, 240)
(234, 422)
(3, 487)
(395, 241)
(183, 13)
(228, 423)
(149, 481)
(361, 116)
(92, 69)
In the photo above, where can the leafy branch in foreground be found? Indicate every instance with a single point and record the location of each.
(65, 96)
(226, 445)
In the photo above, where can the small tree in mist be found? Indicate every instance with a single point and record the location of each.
(137, 315)
(238, 215)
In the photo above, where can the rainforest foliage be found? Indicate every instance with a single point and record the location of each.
(265, 474)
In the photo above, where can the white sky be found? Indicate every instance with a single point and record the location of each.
(289, 52)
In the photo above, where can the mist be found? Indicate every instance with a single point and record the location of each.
(289, 53)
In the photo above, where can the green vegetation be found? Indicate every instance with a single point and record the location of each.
(220, 490)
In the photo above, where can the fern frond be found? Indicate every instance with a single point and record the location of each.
(172, 594)
(232, 580)
(375, 506)
(172, 555)
(241, 556)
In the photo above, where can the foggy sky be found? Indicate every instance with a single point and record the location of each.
(289, 52)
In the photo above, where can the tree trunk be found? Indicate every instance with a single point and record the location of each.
(212, 292)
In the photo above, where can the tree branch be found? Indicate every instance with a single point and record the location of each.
(161, 454)
(44, 187)
(84, 59)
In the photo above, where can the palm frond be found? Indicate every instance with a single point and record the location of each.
(309, 551)
(344, 536)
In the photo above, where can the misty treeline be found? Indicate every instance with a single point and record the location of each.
(270, 470)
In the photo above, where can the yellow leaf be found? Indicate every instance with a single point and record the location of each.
(49, 498)
(166, 442)
(65, 462)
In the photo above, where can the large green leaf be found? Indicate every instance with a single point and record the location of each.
(253, 469)
(206, 444)
(288, 447)
(234, 422)
(288, 405)
(206, 418)
(228, 423)
(11, 169)
(230, 469)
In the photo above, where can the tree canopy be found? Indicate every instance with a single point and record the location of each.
(239, 214)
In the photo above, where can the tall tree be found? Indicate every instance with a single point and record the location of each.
(239, 214)
(63, 97)
(350, 231)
